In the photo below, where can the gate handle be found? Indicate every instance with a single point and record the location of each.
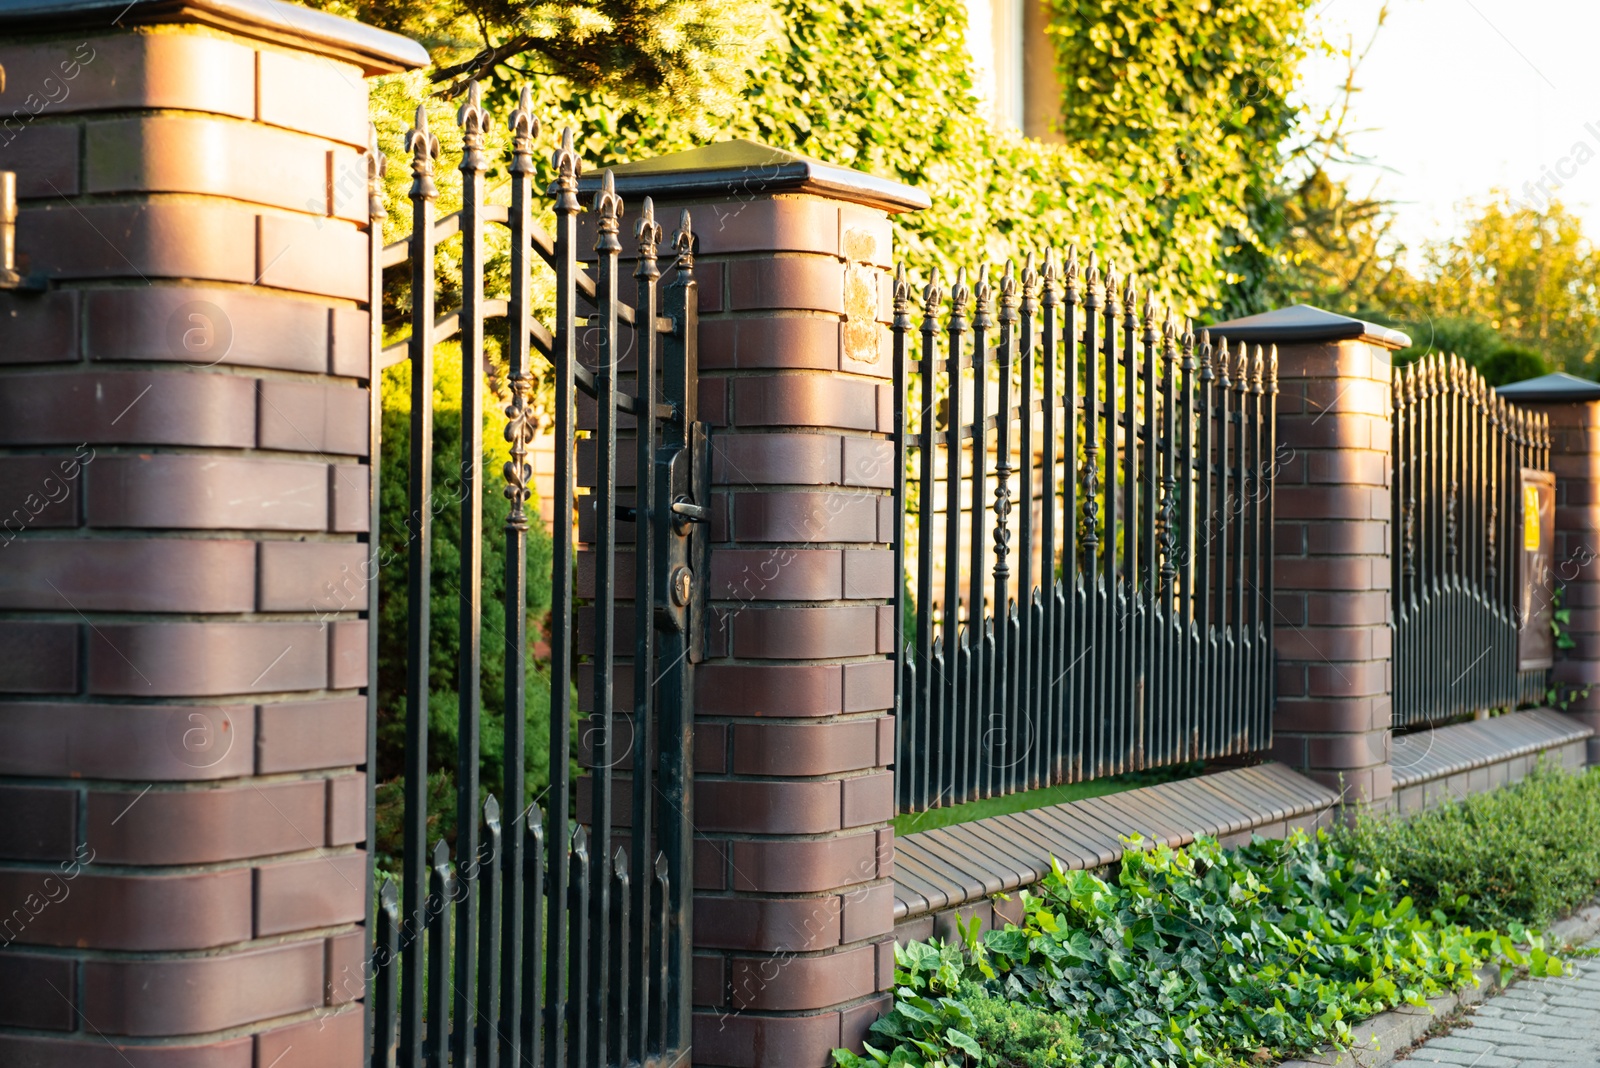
(690, 513)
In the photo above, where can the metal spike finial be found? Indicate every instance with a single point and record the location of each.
(580, 840)
(1048, 269)
(1243, 380)
(932, 297)
(1258, 370)
(1224, 361)
(1150, 306)
(1188, 332)
(564, 187)
(1111, 286)
(1091, 273)
(1272, 369)
(683, 242)
(902, 298)
(424, 149)
(491, 810)
(1030, 279)
(524, 128)
(960, 292)
(608, 206)
(647, 231)
(474, 122)
(619, 865)
(1008, 293)
(441, 856)
(377, 168)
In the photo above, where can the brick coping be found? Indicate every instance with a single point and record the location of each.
(1424, 756)
(952, 867)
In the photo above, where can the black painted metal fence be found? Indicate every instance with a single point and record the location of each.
(539, 940)
(1459, 453)
(1109, 610)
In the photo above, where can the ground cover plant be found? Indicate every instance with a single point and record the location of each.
(1197, 956)
(1528, 852)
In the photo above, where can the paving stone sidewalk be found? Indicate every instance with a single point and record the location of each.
(1537, 1023)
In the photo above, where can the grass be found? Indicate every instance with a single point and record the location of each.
(911, 822)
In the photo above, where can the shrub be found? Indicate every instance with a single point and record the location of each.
(1528, 853)
(1198, 956)
(445, 626)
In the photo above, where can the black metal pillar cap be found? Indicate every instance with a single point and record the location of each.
(1305, 324)
(1559, 386)
(742, 167)
(375, 51)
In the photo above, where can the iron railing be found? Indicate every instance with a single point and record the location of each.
(540, 940)
(1120, 618)
(1459, 455)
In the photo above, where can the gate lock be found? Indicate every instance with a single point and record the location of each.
(681, 601)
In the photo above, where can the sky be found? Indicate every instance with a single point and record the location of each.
(1460, 96)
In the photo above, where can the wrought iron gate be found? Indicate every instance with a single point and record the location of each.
(540, 939)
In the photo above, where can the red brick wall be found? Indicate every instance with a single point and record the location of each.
(793, 793)
(183, 508)
(1575, 459)
(1332, 569)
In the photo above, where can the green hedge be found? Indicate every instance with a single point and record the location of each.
(1528, 852)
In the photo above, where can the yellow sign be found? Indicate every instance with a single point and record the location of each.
(1530, 518)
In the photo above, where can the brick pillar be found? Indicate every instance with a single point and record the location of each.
(1332, 564)
(794, 738)
(183, 478)
(1573, 406)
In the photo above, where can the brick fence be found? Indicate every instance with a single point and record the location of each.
(184, 472)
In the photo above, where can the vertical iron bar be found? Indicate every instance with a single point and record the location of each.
(1092, 715)
(675, 744)
(385, 992)
(1030, 691)
(519, 474)
(1001, 754)
(955, 707)
(1240, 521)
(978, 694)
(1169, 699)
(1112, 708)
(576, 910)
(648, 232)
(905, 722)
(1269, 520)
(441, 893)
(1223, 653)
(923, 766)
(473, 121)
(608, 211)
(486, 1017)
(425, 149)
(621, 923)
(1051, 741)
(564, 189)
(1258, 370)
(538, 1005)
(1187, 633)
(1141, 490)
(1069, 672)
